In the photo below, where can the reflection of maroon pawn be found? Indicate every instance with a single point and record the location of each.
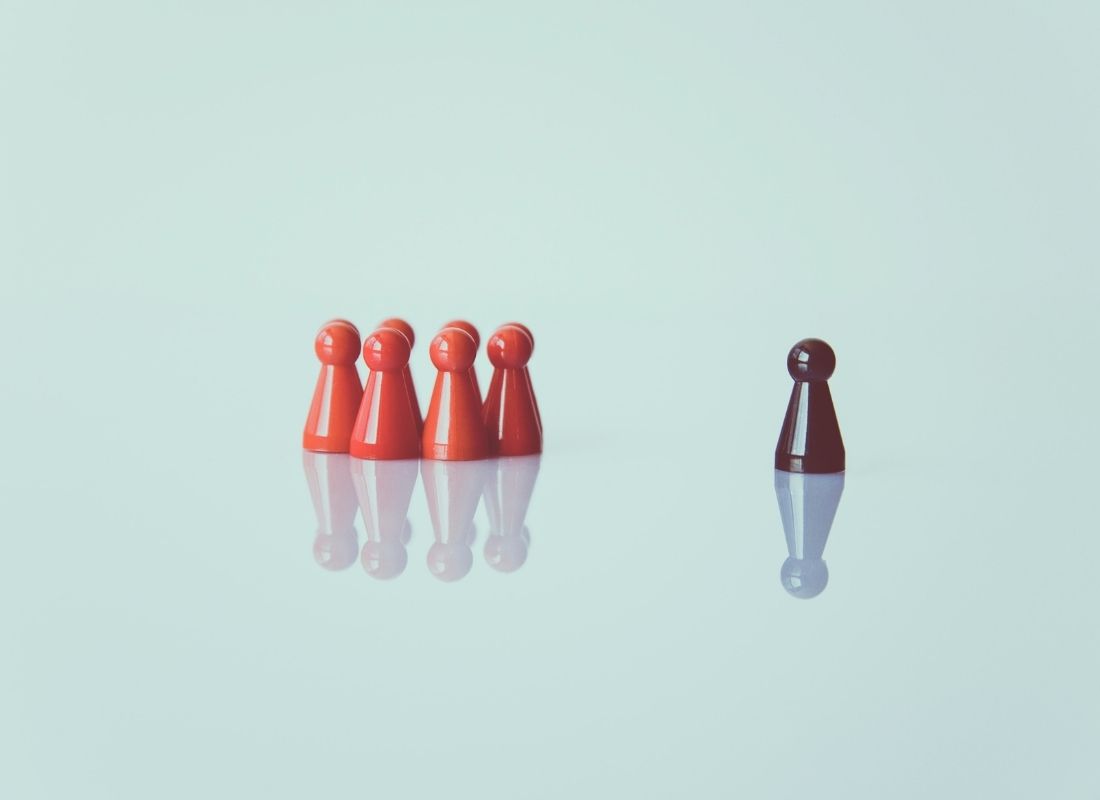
(384, 489)
(510, 413)
(453, 430)
(507, 496)
(385, 427)
(453, 489)
(463, 325)
(330, 488)
(338, 391)
(809, 440)
(399, 324)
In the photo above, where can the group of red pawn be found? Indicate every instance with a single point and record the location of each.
(382, 421)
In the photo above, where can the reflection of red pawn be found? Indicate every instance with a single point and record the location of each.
(453, 491)
(338, 392)
(386, 427)
(399, 324)
(511, 413)
(463, 325)
(453, 430)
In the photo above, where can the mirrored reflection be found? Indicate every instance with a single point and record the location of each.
(453, 489)
(336, 544)
(507, 495)
(384, 490)
(807, 506)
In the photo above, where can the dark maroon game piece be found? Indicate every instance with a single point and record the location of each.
(810, 438)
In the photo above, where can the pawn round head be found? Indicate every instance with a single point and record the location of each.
(337, 342)
(804, 579)
(811, 360)
(506, 553)
(453, 350)
(510, 348)
(336, 551)
(450, 562)
(386, 350)
(463, 325)
(523, 328)
(384, 559)
(399, 324)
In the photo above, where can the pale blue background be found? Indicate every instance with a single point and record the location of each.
(669, 194)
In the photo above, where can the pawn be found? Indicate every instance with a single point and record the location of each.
(510, 412)
(530, 336)
(463, 325)
(384, 490)
(338, 392)
(453, 489)
(399, 324)
(507, 496)
(809, 440)
(336, 543)
(386, 427)
(807, 507)
(453, 430)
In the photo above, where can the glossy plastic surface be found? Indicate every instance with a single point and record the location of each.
(401, 325)
(810, 440)
(453, 430)
(510, 411)
(508, 490)
(384, 490)
(453, 490)
(336, 542)
(463, 325)
(807, 507)
(338, 391)
(387, 426)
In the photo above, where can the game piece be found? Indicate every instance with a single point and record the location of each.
(338, 392)
(809, 440)
(530, 336)
(386, 427)
(453, 430)
(462, 324)
(453, 489)
(336, 543)
(510, 412)
(508, 490)
(399, 324)
(384, 489)
(807, 506)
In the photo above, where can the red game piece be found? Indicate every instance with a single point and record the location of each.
(530, 336)
(462, 324)
(510, 413)
(338, 392)
(809, 440)
(399, 324)
(384, 489)
(336, 543)
(453, 430)
(386, 427)
(507, 496)
(453, 489)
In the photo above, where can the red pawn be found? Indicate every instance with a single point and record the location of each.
(338, 392)
(511, 413)
(453, 430)
(386, 427)
(462, 324)
(399, 324)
